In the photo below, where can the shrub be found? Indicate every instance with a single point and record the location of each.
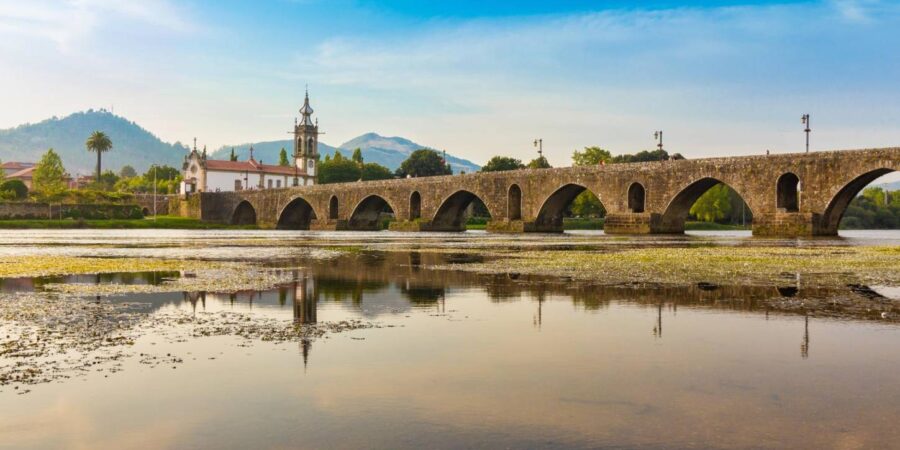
(20, 191)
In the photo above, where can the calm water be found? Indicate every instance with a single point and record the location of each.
(461, 360)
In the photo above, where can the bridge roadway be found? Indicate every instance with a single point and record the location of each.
(789, 195)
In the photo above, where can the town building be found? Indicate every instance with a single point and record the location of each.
(202, 174)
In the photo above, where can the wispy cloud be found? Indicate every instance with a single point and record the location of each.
(64, 22)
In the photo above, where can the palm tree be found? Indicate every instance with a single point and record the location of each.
(98, 142)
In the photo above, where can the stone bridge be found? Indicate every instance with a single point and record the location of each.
(802, 194)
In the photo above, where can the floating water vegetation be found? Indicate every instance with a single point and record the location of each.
(34, 266)
(828, 265)
(226, 279)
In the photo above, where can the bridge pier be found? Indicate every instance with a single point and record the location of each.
(509, 226)
(638, 223)
(328, 225)
(789, 225)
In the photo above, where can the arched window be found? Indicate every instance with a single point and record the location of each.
(514, 203)
(788, 188)
(636, 198)
(415, 206)
(333, 208)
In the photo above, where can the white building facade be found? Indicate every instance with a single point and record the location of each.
(211, 175)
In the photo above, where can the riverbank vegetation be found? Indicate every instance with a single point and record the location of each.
(162, 222)
(42, 265)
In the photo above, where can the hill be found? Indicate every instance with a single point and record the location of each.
(132, 144)
(387, 151)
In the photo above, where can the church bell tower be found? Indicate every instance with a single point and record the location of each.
(306, 143)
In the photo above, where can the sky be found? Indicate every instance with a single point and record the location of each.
(475, 78)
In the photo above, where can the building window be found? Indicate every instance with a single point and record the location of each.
(278, 183)
(270, 184)
(237, 185)
(296, 181)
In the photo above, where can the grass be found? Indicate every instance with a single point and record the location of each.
(31, 266)
(167, 222)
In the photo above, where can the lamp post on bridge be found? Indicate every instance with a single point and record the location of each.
(539, 143)
(804, 119)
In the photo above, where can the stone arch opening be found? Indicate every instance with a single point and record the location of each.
(370, 213)
(415, 205)
(514, 203)
(455, 210)
(555, 207)
(333, 208)
(687, 203)
(297, 215)
(834, 212)
(788, 193)
(244, 214)
(636, 197)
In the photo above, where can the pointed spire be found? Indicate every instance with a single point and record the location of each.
(306, 111)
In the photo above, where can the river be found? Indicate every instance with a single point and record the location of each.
(406, 355)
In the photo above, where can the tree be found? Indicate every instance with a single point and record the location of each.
(338, 170)
(423, 163)
(49, 176)
(357, 156)
(586, 204)
(539, 163)
(283, 159)
(16, 187)
(501, 163)
(375, 171)
(107, 180)
(643, 156)
(714, 205)
(127, 172)
(233, 156)
(591, 156)
(99, 143)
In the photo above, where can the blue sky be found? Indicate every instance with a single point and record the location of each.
(474, 78)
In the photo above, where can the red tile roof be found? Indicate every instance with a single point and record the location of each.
(24, 173)
(14, 165)
(249, 166)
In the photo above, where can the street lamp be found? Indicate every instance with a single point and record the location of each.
(539, 143)
(657, 135)
(804, 119)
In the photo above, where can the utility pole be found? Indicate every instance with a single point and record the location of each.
(154, 192)
(804, 119)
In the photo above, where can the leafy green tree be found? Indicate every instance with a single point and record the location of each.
(424, 163)
(283, 159)
(338, 170)
(127, 172)
(375, 171)
(99, 143)
(233, 156)
(643, 156)
(107, 180)
(501, 163)
(539, 163)
(586, 204)
(162, 173)
(49, 176)
(714, 205)
(591, 156)
(357, 156)
(16, 187)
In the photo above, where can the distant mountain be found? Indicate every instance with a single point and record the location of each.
(132, 144)
(387, 151)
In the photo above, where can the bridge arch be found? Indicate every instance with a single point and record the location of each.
(514, 202)
(787, 192)
(451, 216)
(637, 196)
(836, 208)
(244, 214)
(678, 209)
(296, 215)
(415, 205)
(367, 213)
(333, 207)
(550, 216)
